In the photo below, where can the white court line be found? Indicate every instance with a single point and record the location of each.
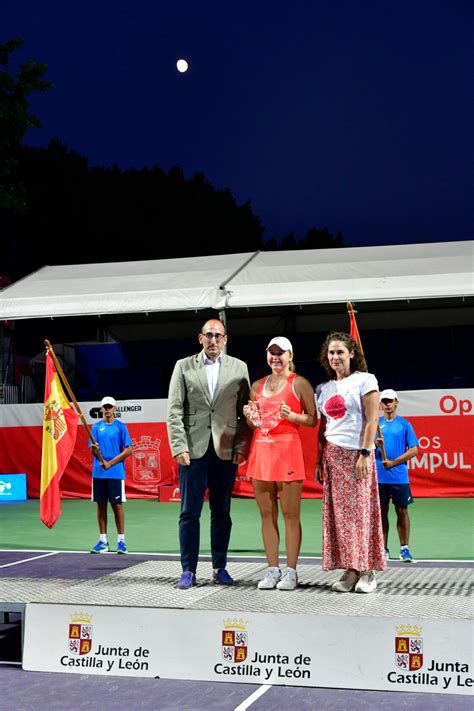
(130, 553)
(253, 697)
(251, 558)
(27, 560)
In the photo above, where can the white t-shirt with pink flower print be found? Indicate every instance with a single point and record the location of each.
(340, 401)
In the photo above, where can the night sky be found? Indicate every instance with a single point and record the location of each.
(350, 115)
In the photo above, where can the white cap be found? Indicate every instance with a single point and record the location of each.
(108, 401)
(388, 394)
(282, 343)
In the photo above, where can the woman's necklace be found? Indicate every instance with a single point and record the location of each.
(274, 385)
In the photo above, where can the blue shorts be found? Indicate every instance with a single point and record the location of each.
(399, 493)
(112, 490)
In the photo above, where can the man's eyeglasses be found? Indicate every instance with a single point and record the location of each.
(386, 401)
(209, 336)
(107, 407)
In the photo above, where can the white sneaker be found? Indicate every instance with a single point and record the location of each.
(366, 583)
(289, 580)
(347, 582)
(272, 576)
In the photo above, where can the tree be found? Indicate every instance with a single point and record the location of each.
(15, 120)
(320, 239)
(108, 214)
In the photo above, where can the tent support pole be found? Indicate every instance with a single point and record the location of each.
(223, 319)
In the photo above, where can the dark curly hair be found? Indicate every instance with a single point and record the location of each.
(356, 363)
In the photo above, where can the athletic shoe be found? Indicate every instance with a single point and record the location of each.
(272, 576)
(387, 553)
(405, 555)
(100, 547)
(347, 581)
(289, 580)
(366, 583)
(121, 547)
(187, 580)
(222, 577)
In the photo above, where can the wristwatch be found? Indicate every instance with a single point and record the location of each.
(365, 452)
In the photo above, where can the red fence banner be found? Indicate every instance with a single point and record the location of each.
(442, 419)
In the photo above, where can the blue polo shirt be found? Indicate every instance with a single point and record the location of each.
(112, 440)
(398, 436)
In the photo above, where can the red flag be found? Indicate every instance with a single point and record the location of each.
(354, 331)
(59, 438)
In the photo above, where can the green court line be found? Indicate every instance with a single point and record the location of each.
(441, 529)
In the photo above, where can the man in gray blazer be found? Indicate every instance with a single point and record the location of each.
(209, 437)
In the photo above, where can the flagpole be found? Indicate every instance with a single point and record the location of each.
(49, 349)
(352, 314)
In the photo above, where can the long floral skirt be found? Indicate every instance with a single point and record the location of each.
(352, 525)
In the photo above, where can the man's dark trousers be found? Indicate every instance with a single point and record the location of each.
(219, 476)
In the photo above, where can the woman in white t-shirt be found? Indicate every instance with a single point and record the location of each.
(349, 406)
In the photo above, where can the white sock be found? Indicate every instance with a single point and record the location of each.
(103, 537)
(121, 537)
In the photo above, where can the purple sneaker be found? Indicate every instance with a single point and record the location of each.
(222, 577)
(187, 580)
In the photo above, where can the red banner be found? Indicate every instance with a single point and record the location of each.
(442, 421)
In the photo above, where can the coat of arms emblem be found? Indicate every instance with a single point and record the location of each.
(80, 633)
(54, 419)
(146, 460)
(234, 641)
(409, 648)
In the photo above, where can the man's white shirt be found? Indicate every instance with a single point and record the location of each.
(212, 372)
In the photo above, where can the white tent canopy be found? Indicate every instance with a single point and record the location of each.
(416, 271)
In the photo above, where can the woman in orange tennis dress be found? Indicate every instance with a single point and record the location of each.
(276, 460)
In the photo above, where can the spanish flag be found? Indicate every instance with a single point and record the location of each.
(59, 438)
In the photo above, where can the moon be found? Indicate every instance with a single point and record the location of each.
(182, 66)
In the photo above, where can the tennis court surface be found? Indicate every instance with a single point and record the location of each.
(434, 596)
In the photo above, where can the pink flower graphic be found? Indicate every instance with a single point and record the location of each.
(335, 407)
